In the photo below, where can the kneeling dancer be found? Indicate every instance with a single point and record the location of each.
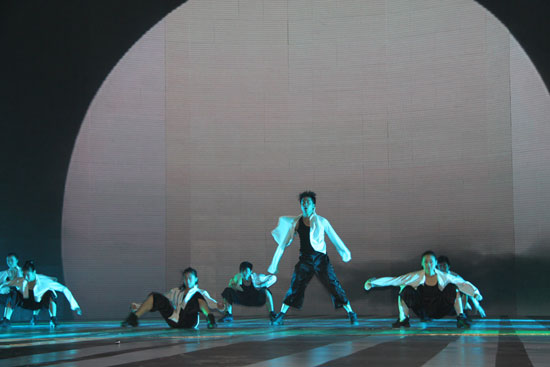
(311, 229)
(429, 292)
(37, 292)
(180, 307)
(248, 289)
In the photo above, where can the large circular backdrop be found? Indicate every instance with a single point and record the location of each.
(420, 125)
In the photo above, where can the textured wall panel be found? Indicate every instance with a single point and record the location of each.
(114, 213)
(399, 114)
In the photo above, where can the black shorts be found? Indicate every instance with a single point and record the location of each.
(188, 317)
(434, 307)
(249, 296)
(9, 298)
(31, 304)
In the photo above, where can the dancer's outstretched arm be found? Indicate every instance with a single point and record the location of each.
(283, 235)
(273, 268)
(61, 288)
(478, 307)
(399, 281)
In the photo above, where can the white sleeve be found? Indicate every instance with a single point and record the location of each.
(263, 280)
(337, 242)
(464, 286)
(211, 302)
(61, 288)
(399, 281)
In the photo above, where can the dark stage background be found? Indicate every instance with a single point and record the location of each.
(57, 55)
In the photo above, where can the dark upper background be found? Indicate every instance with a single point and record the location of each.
(55, 56)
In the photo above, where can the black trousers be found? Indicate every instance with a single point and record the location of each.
(317, 264)
(31, 304)
(248, 297)
(9, 298)
(435, 307)
(188, 318)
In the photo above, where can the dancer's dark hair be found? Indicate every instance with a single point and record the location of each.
(186, 271)
(429, 252)
(443, 260)
(308, 194)
(245, 265)
(14, 255)
(29, 265)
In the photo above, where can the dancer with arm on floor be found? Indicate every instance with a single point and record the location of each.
(36, 292)
(180, 307)
(444, 264)
(311, 228)
(429, 292)
(248, 289)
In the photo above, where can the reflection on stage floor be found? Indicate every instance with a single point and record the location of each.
(300, 342)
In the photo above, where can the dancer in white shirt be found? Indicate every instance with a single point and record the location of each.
(444, 264)
(180, 307)
(36, 292)
(311, 229)
(429, 292)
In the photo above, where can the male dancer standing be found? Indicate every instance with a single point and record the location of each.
(313, 256)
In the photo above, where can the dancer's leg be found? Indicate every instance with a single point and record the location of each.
(8, 311)
(146, 306)
(408, 298)
(52, 308)
(327, 276)
(403, 309)
(229, 296)
(211, 321)
(269, 299)
(12, 300)
(228, 306)
(458, 304)
(303, 272)
(204, 307)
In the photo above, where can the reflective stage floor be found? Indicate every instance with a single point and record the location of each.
(300, 342)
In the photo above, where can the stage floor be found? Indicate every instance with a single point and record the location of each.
(300, 342)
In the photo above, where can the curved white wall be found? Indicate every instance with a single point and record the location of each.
(398, 116)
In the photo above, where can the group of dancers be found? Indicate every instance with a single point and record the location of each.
(23, 287)
(432, 293)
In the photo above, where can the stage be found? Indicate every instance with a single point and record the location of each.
(300, 342)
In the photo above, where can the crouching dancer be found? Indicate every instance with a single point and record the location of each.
(37, 292)
(429, 292)
(311, 228)
(248, 289)
(180, 307)
(444, 264)
(7, 294)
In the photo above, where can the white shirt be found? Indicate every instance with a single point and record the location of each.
(179, 300)
(8, 275)
(284, 234)
(417, 278)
